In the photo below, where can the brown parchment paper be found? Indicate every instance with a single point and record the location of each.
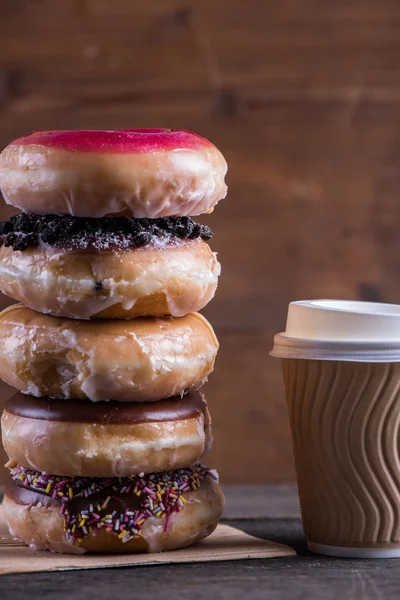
(226, 543)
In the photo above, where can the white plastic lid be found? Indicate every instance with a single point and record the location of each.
(340, 330)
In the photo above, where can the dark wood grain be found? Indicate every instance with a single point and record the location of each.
(303, 98)
(261, 502)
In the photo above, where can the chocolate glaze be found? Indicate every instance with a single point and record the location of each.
(26, 497)
(107, 413)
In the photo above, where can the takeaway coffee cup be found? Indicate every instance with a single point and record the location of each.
(341, 368)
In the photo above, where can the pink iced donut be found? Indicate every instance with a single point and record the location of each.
(135, 172)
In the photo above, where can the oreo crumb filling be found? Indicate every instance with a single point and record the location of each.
(25, 231)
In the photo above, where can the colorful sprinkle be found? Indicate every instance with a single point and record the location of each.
(159, 495)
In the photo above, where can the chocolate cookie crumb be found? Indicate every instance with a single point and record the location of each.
(29, 231)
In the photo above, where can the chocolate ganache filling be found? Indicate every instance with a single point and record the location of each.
(107, 413)
(25, 231)
(118, 505)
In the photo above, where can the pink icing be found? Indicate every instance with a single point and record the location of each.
(125, 140)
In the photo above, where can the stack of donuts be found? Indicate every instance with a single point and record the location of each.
(106, 349)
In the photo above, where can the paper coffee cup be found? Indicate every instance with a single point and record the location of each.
(341, 367)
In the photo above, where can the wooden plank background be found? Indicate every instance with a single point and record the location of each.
(303, 98)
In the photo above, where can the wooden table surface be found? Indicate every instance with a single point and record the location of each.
(270, 512)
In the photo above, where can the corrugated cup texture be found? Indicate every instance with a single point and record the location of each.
(345, 420)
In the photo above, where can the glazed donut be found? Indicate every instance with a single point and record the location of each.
(91, 525)
(136, 172)
(133, 361)
(99, 271)
(105, 439)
